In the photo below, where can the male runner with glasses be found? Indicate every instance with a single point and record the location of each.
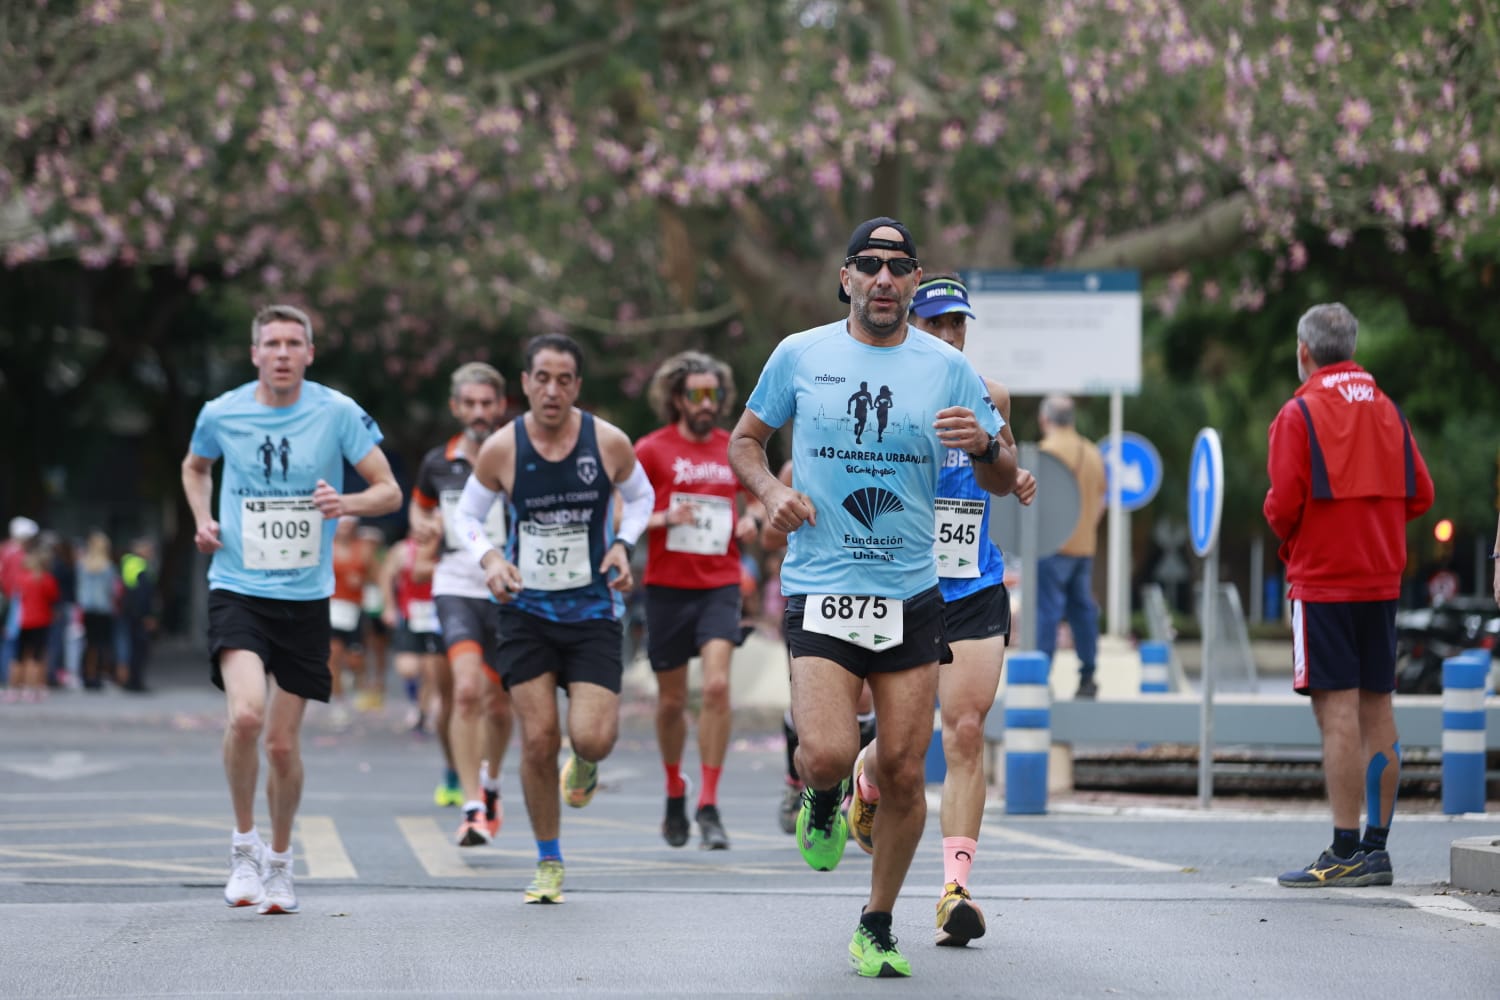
(976, 616)
(692, 576)
(860, 575)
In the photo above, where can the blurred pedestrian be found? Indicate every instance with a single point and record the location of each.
(35, 593)
(1065, 579)
(137, 611)
(12, 555)
(62, 663)
(1346, 476)
(99, 593)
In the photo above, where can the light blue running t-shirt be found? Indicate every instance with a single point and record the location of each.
(276, 543)
(864, 449)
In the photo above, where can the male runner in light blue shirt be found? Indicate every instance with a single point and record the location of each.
(860, 575)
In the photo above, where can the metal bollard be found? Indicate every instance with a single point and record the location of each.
(1154, 671)
(1028, 733)
(1463, 731)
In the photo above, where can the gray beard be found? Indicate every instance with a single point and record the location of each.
(881, 330)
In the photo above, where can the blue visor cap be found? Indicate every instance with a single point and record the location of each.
(943, 295)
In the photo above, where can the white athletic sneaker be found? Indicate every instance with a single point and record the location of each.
(280, 897)
(245, 886)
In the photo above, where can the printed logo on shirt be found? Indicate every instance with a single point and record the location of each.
(270, 451)
(685, 470)
(862, 402)
(868, 504)
(588, 468)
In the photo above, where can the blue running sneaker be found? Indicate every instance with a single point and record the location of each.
(1372, 868)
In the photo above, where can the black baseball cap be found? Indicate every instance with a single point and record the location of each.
(860, 239)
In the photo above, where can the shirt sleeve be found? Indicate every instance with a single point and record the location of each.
(1287, 467)
(359, 433)
(774, 397)
(970, 391)
(424, 493)
(205, 440)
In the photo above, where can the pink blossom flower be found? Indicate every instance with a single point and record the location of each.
(1423, 205)
(104, 12)
(1355, 115)
(1468, 158)
(1388, 202)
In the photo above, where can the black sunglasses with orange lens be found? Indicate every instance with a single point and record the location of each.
(900, 266)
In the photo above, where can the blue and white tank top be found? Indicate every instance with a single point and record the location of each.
(563, 525)
(956, 482)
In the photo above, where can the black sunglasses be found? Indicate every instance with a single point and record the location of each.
(900, 266)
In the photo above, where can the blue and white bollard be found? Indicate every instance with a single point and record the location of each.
(1028, 733)
(1463, 731)
(936, 766)
(1155, 678)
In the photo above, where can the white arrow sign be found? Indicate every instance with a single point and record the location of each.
(64, 766)
(1132, 478)
(1200, 491)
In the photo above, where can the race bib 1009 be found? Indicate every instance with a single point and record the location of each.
(281, 533)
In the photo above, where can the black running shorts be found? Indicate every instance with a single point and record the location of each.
(923, 638)
(983, 614)
(290, 637)
(587, 651)
(1343, 645)
(679, 622)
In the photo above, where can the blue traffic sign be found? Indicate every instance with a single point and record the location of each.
(1205, 491)
(1140, 469)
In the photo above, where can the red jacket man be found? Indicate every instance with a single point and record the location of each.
(1346, 476)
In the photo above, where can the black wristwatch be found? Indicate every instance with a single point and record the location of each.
(629, 548)
(990, 454)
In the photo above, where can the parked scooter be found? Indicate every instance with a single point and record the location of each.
(1425, 637)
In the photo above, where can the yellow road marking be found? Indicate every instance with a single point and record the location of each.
(323, 849)
(435, 851)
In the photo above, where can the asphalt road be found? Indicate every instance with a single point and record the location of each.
(114, 828)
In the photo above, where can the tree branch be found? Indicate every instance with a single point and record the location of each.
(1215, 230)
(585, 51)
(629, 328)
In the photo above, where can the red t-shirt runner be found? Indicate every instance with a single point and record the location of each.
(704, 554)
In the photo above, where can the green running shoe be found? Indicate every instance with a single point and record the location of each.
(546, 887)
(820, 840)
(876, 956)
(578, 781)
(447, 795)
